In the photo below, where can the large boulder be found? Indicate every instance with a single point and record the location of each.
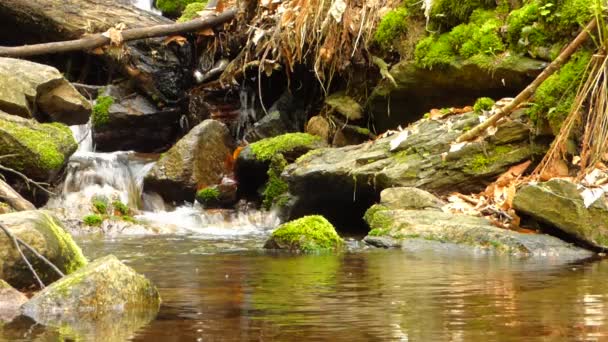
(458, 84)
(37, 150)
(41, 230)
(35, 90)
(105, 287)
(10, 301)
(421, 156)
(125, 120)
(560, 204)
(306, 234)
(195, 161)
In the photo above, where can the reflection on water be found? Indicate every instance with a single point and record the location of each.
(233, 291)
(229, 289)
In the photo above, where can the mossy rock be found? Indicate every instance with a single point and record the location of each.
(191, 11)
(174, 8)
(10, 301)
(287, 144)
(104, 287)
(306, 234)
(40, 150)
(44, 232)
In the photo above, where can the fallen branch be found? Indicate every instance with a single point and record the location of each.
(525, 94)
(13, 198)
(28, 181)
(98, 40)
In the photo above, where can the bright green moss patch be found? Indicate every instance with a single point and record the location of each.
(275, 186)
(207, 195)
(449, 13)
(265, 149)
(483, 103)
(379, 220)
(190, 12)
(120, 208)
(93, 220)
(553, 99)
(391, 27)
(70, 252)
(173, 7)
(432, 52)
(307, 234)
(101, 110)
(100, 204)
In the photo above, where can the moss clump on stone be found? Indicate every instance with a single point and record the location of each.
(207, 195)
(71, 253)
(554, 97)
(307, 234)
(100, 204)
(101, 110)
(191, 11)
(432, 52)
(121, 208)
(93, 220)
(173, 7)
(483, 103)
(379, 220)
(391, 27)
(275, 186)
(450, 13)
(265, 149)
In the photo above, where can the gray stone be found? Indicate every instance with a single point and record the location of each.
(559, 203)
(10, 301)
(31, 90)
(409, 199)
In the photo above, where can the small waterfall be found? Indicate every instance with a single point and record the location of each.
(247, 112)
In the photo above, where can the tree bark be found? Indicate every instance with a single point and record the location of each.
(13, 198)
(163, 71)
(525, 94)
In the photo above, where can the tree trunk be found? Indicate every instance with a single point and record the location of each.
(162, 71)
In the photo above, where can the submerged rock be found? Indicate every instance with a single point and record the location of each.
(35, 90)
(41, 230)
(306, 234)
(197, 160)
(129, 121)
(39, 150)
(104, 287)
(560, 204)
(10, 301)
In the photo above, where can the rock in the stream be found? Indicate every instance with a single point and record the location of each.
(125, 120)
(10, 301)
(306, 234)
(39, 150)
(105, 287)
(219, 195)
(408, 198)
(421, 156)
(35, 90)
(195, 161)
(560, 204)
(43, 231)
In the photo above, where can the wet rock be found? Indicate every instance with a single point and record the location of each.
(421, 156)
(43, 231)
(103, 288)
(559, 203)
(39, 150)
(394, 227)
(284, 116)
(409, 199)
(221, 195)
(132, 122)
(306, 234)
(251, 167)
(459, 84)
(10, 301)
(197, 160)
(35, 90)
(345, 106)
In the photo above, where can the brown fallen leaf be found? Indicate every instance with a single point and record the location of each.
(180, 40)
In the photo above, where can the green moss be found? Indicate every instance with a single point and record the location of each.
(309, 233)
(379, 220)
(128, 218)
(554, 97)
(206, 195)
(275, 186)
(391, 27)
(362, 130)
(70, 252)
(520, 18)
(173, 7)
(94, 220)
(265, 149)
(121, 208)
(309, 154)
(483, 103)
(434, 52)
(100, 204)
(101, 110)
(449, 13)
(190, 12)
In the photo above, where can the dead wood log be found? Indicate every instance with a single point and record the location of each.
(13, 198)
(525, 94)
(163, 71)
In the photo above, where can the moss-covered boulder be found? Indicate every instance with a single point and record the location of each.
(35, 90)
(560, 204)
(38, 150)
(44, 232)
(306, 234)
(174, 8)
(252, 163)
(10, 301)
(195, 161)
(103, 288)
(223, 194)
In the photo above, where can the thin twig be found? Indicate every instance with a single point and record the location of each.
(39, 185)
(15, 241)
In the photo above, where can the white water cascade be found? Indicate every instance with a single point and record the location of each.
(120, 175)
